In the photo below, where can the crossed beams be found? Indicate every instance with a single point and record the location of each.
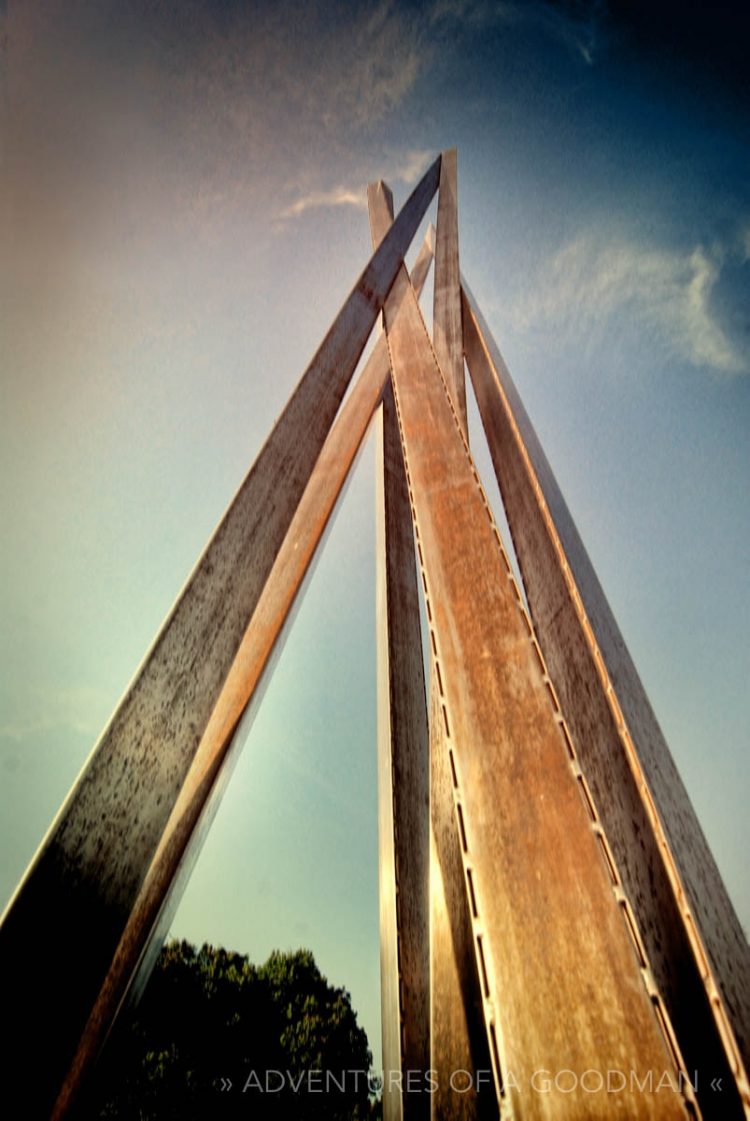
(548, 900)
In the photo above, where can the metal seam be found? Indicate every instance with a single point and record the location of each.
(488, 1006)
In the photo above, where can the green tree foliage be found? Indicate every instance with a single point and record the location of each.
(286, 1040)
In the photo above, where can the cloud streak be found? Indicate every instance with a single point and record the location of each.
(674, 293)
(405, 167)
(337, 196)
(579, 28)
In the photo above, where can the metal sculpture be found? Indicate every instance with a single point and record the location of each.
(553, 927)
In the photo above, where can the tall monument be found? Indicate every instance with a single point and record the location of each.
(556, 940)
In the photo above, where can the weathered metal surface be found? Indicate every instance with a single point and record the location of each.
(379, 210)
(458, 1035)
(447, 333)
(403, 769)
(88, 872)
(562, 984)
(420, 270)
(693, 941)
(403, 792)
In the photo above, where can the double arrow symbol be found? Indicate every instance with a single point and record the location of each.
(226, 1084)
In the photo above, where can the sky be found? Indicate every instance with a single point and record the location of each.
(183, 213)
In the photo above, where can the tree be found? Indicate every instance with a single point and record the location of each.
(287, 1042)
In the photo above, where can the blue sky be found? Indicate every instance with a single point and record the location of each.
(183, 214)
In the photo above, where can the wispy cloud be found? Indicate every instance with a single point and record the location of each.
(337, 196)
(399, 167)
(245, 100)
(577, 26)
(383, 59)
(198, 115)
(674, 293)
(407, 167)
(580, 27)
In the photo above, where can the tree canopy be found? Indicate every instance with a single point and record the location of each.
(216, 1036)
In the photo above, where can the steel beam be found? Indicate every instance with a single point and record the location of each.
(563, 984)
(87, 875)
(403, 793)
(458, 1036)
(403, 770)
(692, 938)
(205, 780)
(447, 330)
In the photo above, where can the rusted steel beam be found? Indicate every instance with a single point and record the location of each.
(403, 770)
(91, 866)
(563, 988)
(458, 1036)
(379, 210)
(403, 793)
(447, 331)
(692, 938)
